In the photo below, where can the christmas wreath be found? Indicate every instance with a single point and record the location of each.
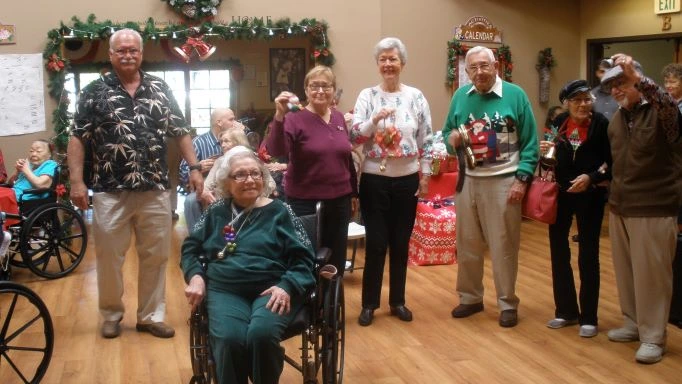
(195, 9)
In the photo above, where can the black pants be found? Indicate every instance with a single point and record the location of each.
(388, 206)
(588, 208)
(335, 219)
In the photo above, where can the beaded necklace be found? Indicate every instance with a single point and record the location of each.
(229, 230)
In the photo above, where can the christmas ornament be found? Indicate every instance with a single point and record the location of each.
(294, 104)
(204, 50)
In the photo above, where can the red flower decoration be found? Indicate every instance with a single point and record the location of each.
(55, 64)
(263, 154)
(60, 190)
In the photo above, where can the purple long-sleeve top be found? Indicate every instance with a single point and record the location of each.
(320, 162)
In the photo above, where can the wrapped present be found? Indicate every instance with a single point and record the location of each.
(433, 239)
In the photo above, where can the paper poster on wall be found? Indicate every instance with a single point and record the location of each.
(22, 103)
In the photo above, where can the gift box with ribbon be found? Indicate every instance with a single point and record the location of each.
(433, 240)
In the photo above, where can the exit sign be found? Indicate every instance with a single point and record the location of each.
(666, 6)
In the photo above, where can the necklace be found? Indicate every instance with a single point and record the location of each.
(229, 230)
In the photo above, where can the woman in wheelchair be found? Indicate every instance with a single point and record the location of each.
(260, 267)
(34, 172)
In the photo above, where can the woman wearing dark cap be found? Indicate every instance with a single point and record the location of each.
(582, 147)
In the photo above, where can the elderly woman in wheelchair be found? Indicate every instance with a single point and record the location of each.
(34, 172)
(259, 269)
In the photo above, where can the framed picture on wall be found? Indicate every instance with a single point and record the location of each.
(287, 70)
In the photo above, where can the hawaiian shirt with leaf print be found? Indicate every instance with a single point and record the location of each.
(124, 136)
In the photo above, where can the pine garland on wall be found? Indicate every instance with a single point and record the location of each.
(245, 29)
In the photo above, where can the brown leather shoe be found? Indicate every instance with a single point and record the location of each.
(466, 310)
(159, 329)
(509, 318)
(111, 329)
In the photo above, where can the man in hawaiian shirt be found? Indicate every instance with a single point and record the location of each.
(123, 120)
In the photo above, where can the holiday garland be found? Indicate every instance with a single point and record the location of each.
(456, 50)
(247, 29)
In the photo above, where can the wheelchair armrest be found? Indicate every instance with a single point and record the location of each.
(323, 255)
(37, 191)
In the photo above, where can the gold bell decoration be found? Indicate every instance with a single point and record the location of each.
(549, 158)
(466, 145)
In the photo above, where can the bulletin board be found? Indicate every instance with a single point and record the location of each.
(22, 102)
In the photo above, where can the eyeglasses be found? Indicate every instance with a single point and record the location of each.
(586, 100)
(483, 67)
(241, 177)
(320, 87)
(122, 52)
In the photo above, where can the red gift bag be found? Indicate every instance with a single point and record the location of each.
(433, 239)
(442, 185)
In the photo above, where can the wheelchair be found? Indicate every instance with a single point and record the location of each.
(50, 238)
(320, 323)
(26, 332)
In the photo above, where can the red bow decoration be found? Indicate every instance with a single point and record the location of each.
(55, 64)
(389, 140)
(204, 49)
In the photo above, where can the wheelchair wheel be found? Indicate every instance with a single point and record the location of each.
(53, 241)
(203, 366)
(333, 329)
(26, 335)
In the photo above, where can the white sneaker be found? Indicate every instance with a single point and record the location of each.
(587, 331)
(623, 335)
(649, 353)
(560, 323)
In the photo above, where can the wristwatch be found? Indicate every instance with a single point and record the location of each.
(522, 177)
(195, 167)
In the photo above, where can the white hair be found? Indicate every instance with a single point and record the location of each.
(388, 43)
(225, 168)
(125, 31)
(478, 49)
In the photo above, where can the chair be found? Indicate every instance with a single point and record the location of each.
(356, 232)
(320, 323)
(50, 238)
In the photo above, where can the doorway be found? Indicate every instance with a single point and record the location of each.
(652, 51)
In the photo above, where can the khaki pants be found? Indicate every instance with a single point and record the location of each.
(116, 216)
(643, 249)
(486, 218)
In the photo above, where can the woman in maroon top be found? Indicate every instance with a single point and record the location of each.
(320, 168)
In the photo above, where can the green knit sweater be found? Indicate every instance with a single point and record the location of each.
(272, 249)
(502, 129)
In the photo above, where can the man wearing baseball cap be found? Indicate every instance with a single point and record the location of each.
(646, 192)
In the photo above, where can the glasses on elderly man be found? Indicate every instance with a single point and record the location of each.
(122, 52)
(483, 67)
(241, 177)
